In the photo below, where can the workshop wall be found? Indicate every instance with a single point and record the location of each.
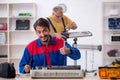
(88, 16)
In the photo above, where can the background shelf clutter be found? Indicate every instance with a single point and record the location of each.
(111, 32)
(16, 30)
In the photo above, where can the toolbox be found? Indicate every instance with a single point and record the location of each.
(109, 72)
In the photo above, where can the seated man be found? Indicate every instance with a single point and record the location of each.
(46, 50)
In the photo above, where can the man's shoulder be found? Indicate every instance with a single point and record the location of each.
(59, 42)
(49, 16)
(58, 39)
(32, 43)
(64, 16)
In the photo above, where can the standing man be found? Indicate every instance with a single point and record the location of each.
(59, 22)
(47, 50)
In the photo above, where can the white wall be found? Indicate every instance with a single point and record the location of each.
(88, 16)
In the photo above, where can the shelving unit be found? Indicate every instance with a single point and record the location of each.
(111, 10)
(3, 44)
(16, 40)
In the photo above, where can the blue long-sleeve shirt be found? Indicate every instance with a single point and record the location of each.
(37, 54)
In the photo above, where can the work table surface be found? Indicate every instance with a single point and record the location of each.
(27, 77)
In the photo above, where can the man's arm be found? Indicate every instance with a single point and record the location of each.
(23, 66)
(71, 26)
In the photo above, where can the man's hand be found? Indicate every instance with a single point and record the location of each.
(27, 68)
(64, 50)
(71, 26)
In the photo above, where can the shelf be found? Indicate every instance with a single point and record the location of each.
(24, 31)
(13, 22)
(18, 45)
(3, 10)
(21, 17)
(112, 44)
(4, 57)
(17, 8)
(3, 60)
(23, 38)
(3, 31)
(14, 41)
(112, 30)
(13, 58)
(116, 16)
(3, 17)
(3, 50)
(110, 10)
(4, 45)
(112, 58)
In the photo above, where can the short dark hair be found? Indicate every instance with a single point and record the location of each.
(41, 22)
